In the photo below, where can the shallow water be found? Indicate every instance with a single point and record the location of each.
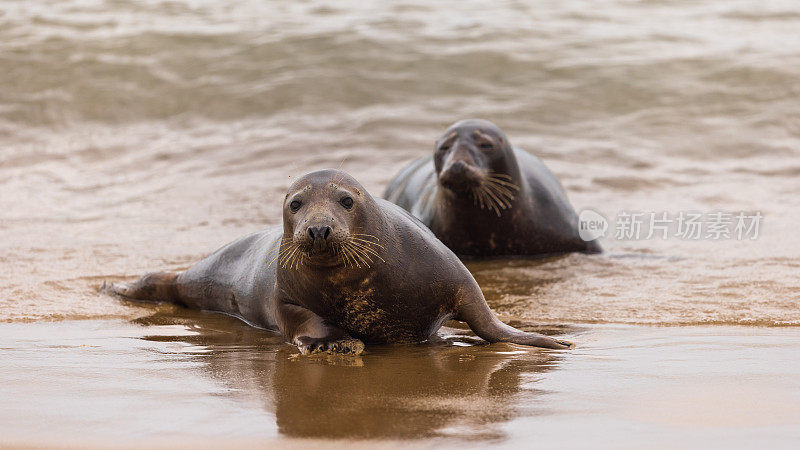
(142, 135)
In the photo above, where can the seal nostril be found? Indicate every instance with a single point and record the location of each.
(319, 232)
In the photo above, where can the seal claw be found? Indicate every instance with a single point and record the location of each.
(346, 346)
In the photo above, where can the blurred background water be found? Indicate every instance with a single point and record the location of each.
(139, 135)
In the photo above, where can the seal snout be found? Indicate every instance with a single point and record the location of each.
(459, 176)
(458, 168)
(319, 236)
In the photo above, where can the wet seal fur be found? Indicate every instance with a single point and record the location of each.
(484, 198)
(344, 269)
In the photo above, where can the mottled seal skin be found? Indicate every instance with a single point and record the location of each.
(484, 198)
(344, 269)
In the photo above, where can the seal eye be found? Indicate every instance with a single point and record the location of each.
(347, 202)
(295, 205)
(486, 146)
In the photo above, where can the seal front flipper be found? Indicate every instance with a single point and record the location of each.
(313, 334)
(476, 313)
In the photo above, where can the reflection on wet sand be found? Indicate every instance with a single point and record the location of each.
(455, 384)
(179, 378)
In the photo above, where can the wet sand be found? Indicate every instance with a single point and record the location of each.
(178, 376)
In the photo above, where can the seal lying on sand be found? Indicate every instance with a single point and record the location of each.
(483, 198)
(343, 269)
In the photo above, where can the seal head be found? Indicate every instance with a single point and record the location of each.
(474, 161)
(325, 214)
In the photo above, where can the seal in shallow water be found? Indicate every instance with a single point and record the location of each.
(483, 198)
(343, 269)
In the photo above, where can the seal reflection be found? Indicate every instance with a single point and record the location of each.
(454, 385)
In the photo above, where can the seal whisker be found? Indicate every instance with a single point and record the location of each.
(509, 187)
(494, 202)
(479, 190)
(360, 239)
(353, 260)
(270, 252)
(337, 251)
(349, 262)
(339, 169)
(504, 197)
(289, 255)
(365, 235)
(368, 249)
(497, 200)
(499, 181)
(355, 239)
(365, 259)
(295, 260)
(365, 238)
(281, 250)
(481, 197)
(500, 188)
(299, 259)
(278, 247)
(342, 256)
(358, 255)
(484, 199)
(476, 200)
(352, 255)
(359, 243)
(282, 259)
(506, 184)
(364, 254)
(499, 175)
(291, 258)
(279, 238)
(273, 260)
(502, 194)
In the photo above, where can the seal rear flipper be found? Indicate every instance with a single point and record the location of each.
(476, 313)
(153, 287)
